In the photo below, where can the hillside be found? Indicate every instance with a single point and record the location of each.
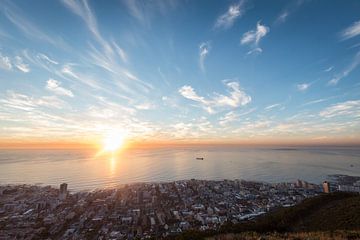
(327, 212)
(336, 235)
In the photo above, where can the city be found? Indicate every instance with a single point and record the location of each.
(141, 210)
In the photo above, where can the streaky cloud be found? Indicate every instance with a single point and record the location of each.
(227, 19)
(144, 11)
(17, 17)
(329, 69)
(5, 62)
(288, 10)
(55, 86)
(254, 36)
(204, 51)
(236, 97)
(349, 108)
(303, 86)
(354, 64)
(270, 107)
(19, 64)
(351, 31)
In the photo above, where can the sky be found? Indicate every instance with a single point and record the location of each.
(180, 71)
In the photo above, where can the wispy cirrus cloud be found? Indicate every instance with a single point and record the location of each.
(348, 108)
(227, 19)
(55, 87)
(302, 87)
(288, 10)
(5, 62)
(228, 118)
(46, 58)
(107, 54)
(351, 31)
(255, 51)
(145, 106)
(272, 106)
(40, 60)
(17, 17)
(28, 103)
(83, 10)
(16, 62)
(253, 37)
(204, 50)
(315, 101)
(353, 65)
(329, 69)
(283, 16)
(233, 116)
(144, 11)
(19, 64)
(236, 97)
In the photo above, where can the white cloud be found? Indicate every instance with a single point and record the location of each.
(282, 17)
(107, 54)
(354, 64)
(288, 10)
(44, 57)
(204, 50)
(121, 52)
(329, 69)
(189, 93)
(255, 51)
(237, 97)
(19, 64)
(82, 9)
(144, 11)
(315, 101)
(254, 36)
(228, 118)
(28, 103)
(145, 106)
(349, 108)
(351, 31)
(55, 86)
(227, 19)
(303, 87)
(40, 60)
(270, 107)
(5, 62)
(17, 17)
(68, 71)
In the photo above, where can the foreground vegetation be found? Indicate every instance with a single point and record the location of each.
(337, 235)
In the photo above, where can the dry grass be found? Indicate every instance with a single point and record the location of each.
(336, 235)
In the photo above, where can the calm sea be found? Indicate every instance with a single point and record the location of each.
(83, 170)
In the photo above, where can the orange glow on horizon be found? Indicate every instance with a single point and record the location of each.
(120, 143)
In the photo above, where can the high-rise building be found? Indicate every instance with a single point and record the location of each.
(326, 187)
(63, 191)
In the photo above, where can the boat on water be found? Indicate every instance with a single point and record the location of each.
(199, 158)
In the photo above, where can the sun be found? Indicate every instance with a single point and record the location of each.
(113, 142)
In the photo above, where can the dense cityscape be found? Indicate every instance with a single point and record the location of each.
(142, 210)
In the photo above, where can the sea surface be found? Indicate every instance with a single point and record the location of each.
(87, 170)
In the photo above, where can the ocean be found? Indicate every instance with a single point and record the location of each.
(84, 170)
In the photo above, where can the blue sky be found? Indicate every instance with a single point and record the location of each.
(243, 71)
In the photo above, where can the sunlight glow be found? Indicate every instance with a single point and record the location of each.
(113, 142)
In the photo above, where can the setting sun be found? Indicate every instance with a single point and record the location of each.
(113, 142)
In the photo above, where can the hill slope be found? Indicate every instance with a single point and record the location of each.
(327, 212)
